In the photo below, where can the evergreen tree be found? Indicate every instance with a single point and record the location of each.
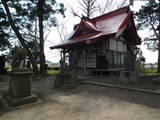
(149, 17)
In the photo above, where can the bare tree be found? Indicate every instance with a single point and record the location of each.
(92, 8)
(62, 33)
(87, 7)
(73, 12)
(105, 6)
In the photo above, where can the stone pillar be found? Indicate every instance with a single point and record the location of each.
(19, 89)
(129, 76)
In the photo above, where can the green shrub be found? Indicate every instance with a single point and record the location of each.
(52, 72)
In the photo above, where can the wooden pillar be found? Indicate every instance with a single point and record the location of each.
(64, 55)
(84, 61)
(61, 50)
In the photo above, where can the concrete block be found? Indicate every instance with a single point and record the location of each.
(128, 76)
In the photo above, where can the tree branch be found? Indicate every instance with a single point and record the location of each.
(154, 29)
(13, 25)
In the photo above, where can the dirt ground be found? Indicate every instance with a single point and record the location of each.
(143, 82)
(86, 102)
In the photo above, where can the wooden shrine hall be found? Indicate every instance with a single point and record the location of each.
(104, 43)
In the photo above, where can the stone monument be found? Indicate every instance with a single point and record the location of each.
(67, 78)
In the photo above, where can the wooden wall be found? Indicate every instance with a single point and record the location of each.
(116, 52)
(113, 49)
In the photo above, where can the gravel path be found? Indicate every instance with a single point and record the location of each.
(87, 103)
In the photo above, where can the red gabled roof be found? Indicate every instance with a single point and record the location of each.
(112, 23)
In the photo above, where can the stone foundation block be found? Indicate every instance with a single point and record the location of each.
(128, 76)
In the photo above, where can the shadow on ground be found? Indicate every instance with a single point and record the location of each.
(147, 99)
(45, 88)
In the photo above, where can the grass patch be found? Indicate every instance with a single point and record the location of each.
(8, 68)
(149, 72)
(52, 72)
